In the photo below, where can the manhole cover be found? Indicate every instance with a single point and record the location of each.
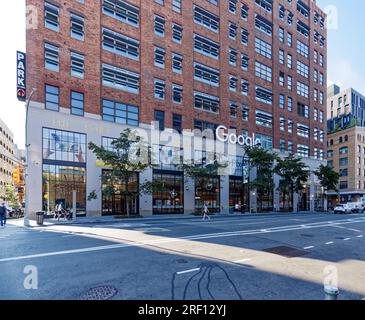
(285, 251)
(99, 293)
(181, 261)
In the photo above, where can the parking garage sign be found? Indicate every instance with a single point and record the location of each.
(21, 91)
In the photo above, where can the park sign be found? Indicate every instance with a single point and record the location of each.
(21, 91)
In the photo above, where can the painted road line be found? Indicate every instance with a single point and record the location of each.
(242, 260)
(330, 242)
(309, 247)
(188, 271)
(347, 239)
(161, 241)
(360, 236)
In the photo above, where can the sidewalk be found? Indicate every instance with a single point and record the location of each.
(112, 219)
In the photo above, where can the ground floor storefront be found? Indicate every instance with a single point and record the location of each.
(63, 171)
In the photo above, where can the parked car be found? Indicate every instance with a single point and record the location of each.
(355, 207)
(342, 208)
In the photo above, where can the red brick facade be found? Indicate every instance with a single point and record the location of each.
(91, 47)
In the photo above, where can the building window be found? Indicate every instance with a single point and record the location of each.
(77, 27)
(206, 18)
(51, 57)
(177, 60)
(177, 93)
(121, 113)
(264, 95)
(282, 124)
(244, 62)
(176, 5)
(302, 89)
(233, 109)
(244, 37)
(303, 110)
(177, 33)
(244, 87)
(233, 83)
(263, 48)
(263, 71)
(177, 122)
(265, 4)
(302, 49)
(344, 172)
(245, 112)
(290, 126)
(206, 47)
(206, 102)
(159, 26)
(159, 89)
(290, 104)
(303, 151)
(120, 78)
(244, 11)
(303, 131)
(232, 28)
(51, 16)
(263, 25)
(77, 65)
(263, 119)
(77, 103)
(281, 101)
(52, 97)
(232, 6)
(159, 57)
(343, 161)
(343, 185)
(160, 118)
(122, 11)
(232, 56)
(206, 74)
(120, 44)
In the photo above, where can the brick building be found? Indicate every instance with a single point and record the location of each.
(256, 67)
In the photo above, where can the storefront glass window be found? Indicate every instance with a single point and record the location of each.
(207, 190)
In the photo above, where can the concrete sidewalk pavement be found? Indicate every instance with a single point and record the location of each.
(156, 218)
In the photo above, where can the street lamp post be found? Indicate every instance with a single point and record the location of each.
(26, 216)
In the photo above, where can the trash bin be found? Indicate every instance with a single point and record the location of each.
(40, 218)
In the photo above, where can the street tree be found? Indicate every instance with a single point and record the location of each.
(11, 197)
(328, 178)
(202, 172)
(128, 156)
(293, 175)
(263, 161)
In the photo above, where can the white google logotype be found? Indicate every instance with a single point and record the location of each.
(234, 139)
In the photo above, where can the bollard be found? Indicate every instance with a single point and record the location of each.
(330, 293)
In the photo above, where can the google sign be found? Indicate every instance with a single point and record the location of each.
(222, 135)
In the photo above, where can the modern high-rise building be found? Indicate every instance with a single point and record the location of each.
(256, 67)
(346, 143)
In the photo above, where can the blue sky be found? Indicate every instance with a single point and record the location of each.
(346, 51)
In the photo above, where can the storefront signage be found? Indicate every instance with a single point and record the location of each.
(21, 91)
(222, 135)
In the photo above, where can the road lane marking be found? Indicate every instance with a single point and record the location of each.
(347, 239)
(330, 242)
(360, 236)
(242, 260)
(169, 240)
(309, 247)
(188, 271)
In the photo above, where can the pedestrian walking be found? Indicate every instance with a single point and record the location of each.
(205, 212)
(3, 215)
(59, 210)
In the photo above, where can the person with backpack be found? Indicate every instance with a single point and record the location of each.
(3, 215)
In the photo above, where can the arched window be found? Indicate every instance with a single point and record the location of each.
(341, 139)
(346, 138)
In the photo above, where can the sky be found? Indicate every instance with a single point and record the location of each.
(346, 51)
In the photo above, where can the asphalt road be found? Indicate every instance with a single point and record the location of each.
(240, 257)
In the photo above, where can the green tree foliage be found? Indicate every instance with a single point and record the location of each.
(129, 155)
(11, 197)
(328, 177)
(293, 175)
(263, 161)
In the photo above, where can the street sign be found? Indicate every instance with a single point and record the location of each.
(21, 76)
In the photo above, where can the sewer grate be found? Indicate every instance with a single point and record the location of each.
(99, 293)
(285, 251)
